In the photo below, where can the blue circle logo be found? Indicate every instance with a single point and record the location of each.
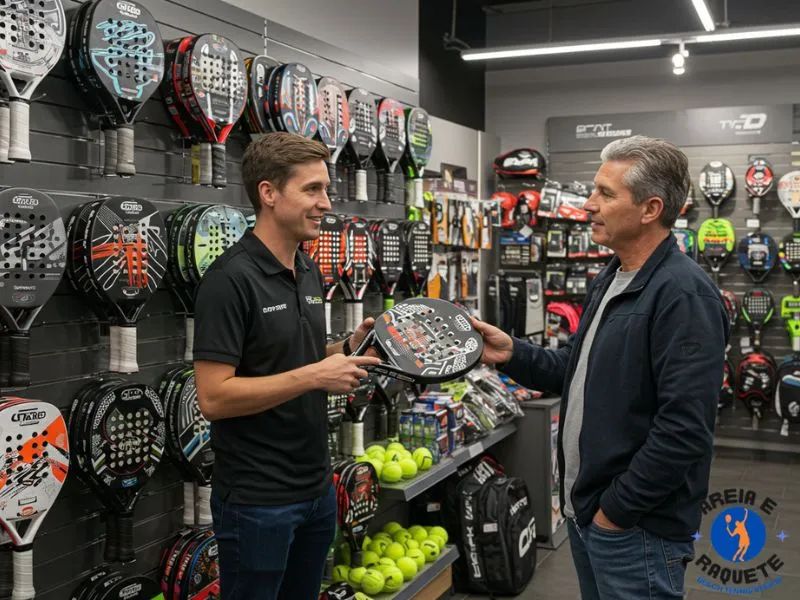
(738, 534)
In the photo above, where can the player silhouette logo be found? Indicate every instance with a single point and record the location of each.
(738, 534)
(740, 530)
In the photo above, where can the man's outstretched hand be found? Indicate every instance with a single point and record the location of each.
(497, 344)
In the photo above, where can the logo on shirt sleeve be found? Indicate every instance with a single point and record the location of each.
(314, 299)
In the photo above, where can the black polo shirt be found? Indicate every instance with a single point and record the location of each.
(253, 313)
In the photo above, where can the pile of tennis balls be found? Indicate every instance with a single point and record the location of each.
(393, 556)
(395, 462)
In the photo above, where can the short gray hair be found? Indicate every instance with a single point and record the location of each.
(660, 169)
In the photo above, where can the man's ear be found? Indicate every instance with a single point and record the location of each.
(653, 209)
(267, 192)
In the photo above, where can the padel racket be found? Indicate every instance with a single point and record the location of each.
(790, 312)
(33, 36)
(731, 303)
(358, 268)
(33, 467)
(391, 145)
(124, 66)
(256, 113)
(214, 91)
(789, 255)
(688, 205)
(293, 100)
(363, 136)
(330, 258)
(358, 504)
(789, 195)
(758, 307)
(717, 184)
(34, 248)
(687, 241)
(716, 240)
(5, 124)
(334, 124)
(419, 255)
(758, 180)
(390, 250)
(423, 340)
(758, 253)
(419, 144)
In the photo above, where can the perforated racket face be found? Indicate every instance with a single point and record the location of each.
(34, 458)
(687, 241)
(716, 238)
(128, 249)
(363, 124)
(217, 80)
(34, 33)
(390, 248)
(391, 130)
(293, 99)
(428, 338)
(193, 429)
(362, 490)
(419, 140)
(789, 193)
(127, 437)
(716, 182)
(420, 251)
(218, 228)
(184, 224)
(759, 178)
(258, 71)
(758, 253)
(126, 51)
(330, 250)
(334, 113)
(359, 252)
(33, 247)
(172, 88)
(789, 254)
(758, 306)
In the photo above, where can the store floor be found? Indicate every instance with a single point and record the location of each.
(777, 478)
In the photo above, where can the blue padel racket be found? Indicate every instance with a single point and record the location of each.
(758, 253)
(293, 100)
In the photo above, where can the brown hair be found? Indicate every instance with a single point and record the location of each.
(272, 158)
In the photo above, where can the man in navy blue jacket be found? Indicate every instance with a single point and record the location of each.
(639, 382)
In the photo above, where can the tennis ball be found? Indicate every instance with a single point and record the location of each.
(394, 551)
(384, 562)
(356, 575)
(372, 581)
(411, 544)
(393, 580)
(408, 567)
(405, 453)
(408, 468)
(369, 558)
(391, 527)
(378, 464)
(392, 455)
(441, 532)
(341, 573)
(375, 451)
(420, 535)
(378, 546)
(365, 544)
(382, 535)
(363, 458)
(423, 458)
(362, 596)
(397, 446)
(438, 539)
(430, 549)
(401, 536)
(392, 472)
(417, 555)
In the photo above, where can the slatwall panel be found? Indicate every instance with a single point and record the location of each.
(735, 422)
(69, 346)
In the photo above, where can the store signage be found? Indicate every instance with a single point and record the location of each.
(690, 127)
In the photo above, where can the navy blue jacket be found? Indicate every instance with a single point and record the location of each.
(653, 379)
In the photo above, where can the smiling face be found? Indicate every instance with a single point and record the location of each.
(298, 207)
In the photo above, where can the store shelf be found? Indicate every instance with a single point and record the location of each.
(428, 574)
(407, 490)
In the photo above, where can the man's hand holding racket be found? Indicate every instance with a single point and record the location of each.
(361, 332)
(497, 345)
(340, 374)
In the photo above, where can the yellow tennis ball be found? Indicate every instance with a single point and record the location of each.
(365, 544)
(375, 451)
(401, 535)
(406, 454)
(394, 551)
(441, 532)
(430, 549)
(438, 539)
(378, 546)
(391, 526)
(362, 596)
(418, 533)
(408, 467)
(417, 555)
(392, 580)
(356, 575)
(408, 567)
(341, 573)
(369, 558)
(382, 535)
(383, 562)
(397, 446)
(392, 472)
(423, 458)
(372, 581)
(392, 455)
(378, 464)
(411, 544)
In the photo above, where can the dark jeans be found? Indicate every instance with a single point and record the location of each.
(628, 565)
(273, 552)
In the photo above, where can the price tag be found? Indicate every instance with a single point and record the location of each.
(682, 223)
(753, 224)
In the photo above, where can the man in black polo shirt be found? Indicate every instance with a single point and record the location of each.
(263, 372)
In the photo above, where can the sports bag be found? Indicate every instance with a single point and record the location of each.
(522, 162)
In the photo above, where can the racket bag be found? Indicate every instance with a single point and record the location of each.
(787, 393)
(521, 162)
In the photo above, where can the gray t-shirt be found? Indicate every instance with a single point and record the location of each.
(574, 417)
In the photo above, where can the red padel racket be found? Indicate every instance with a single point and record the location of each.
(358, 504)
(391, 145)
(759, 180)
(329, 256)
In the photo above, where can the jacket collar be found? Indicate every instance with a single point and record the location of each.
(664, 249)
(265, 259)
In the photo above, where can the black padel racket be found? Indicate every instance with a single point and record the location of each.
(358, 504)
(34, 250)
(789, 255)
(758, 307)
(419, 255)
(390, 251)
(363, 137)
(423, 340)
(34, 463)
(256, 113)
(334, 124)
(293, 100)
(716, 240)
(127, 258)
(214, 91)
(758, 253)
(391, 145)
(759, 180)
(125, 66)
(33, 37)
(717, 183)
(419, 145)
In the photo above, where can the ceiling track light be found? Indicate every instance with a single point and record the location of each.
(704, 14)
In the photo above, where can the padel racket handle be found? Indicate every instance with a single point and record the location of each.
(357, 448)
(388, 191)
(392, 422)
(220, 177)
(347, 438)
(188, 503)
(756, 205)
(204, 505)
(361, 185)
(357, 557)
(206, 165)
(796, 344)
(110, 158)
(112, 537)
(358, 313)
(388, 303)
(113, 348)
(5, 359)
(194, 154)
(328, 317)
(20, 359)
(5, 133)
(23, 575)
(333, 193)
(188, 353)
(125, 151)
(126, 551)
(19, 147)
(127, 349)
(383, 423)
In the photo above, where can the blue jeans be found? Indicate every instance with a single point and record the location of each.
(273, 552)
(633, 564)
